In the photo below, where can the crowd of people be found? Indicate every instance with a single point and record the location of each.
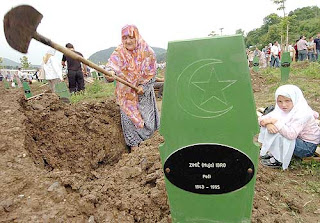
(301, 50)
(16, 77)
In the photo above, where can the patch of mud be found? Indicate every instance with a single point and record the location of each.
(133, 190)
(257, 81)
(76, 138)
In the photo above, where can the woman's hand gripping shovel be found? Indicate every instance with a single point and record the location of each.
(20, 25)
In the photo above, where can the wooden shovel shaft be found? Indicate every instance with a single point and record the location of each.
(75, 56)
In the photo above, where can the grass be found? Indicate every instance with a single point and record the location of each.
(310, 168)
(308, 70)
(303, 74)
(94, 92)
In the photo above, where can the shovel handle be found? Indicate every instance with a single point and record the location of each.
(75, 56)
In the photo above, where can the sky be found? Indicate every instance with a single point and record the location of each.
(96, 25)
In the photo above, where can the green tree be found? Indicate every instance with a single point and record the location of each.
(253, 37)
(284, 21)
(240, 31)
(1, 62)
(306, 13)
(24, 62)
(273, 34)
(271, 20)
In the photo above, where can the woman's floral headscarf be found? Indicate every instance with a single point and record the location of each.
(137, 67)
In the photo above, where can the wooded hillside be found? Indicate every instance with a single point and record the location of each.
(303, 21)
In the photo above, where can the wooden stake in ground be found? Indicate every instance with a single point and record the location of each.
(35, 96)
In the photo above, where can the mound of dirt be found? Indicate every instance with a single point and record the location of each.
(83, 149)
(76, 138)
(133, 190)
(258, 81)
(301, 64)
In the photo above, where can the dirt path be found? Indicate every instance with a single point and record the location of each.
(61, 163)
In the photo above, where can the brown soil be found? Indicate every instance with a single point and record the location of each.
(66, 163)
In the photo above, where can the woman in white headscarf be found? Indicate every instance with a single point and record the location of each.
(289, 129)
(52, 69)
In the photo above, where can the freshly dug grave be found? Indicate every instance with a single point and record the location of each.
(76, 138)
(82, 148)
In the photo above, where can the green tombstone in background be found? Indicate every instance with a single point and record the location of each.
(6, 83)
(98, 76)
(208, 122)
(94, 75)
(62, 91)
(27, 90)
(255, 64)
(285, 66)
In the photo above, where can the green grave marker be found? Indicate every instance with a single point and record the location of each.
(255, 64)
(94, 75)
(27, 90)
(208, 122)
(62, 91)
(285, 66)
(15, 82)
(98, 76)
(6, 83)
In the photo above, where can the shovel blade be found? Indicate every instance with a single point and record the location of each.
(20, 24)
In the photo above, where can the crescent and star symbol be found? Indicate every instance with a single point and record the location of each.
(210, 100)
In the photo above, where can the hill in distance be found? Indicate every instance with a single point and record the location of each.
(9, 63)
(102, 56)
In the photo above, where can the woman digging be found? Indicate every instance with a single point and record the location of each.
(135, 62)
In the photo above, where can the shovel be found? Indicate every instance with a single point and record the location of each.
(20, 25)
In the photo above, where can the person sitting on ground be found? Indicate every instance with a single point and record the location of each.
(289, 129)
(135, 61)
(52, 69)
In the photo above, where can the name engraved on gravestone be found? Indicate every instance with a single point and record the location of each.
(209, 169)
